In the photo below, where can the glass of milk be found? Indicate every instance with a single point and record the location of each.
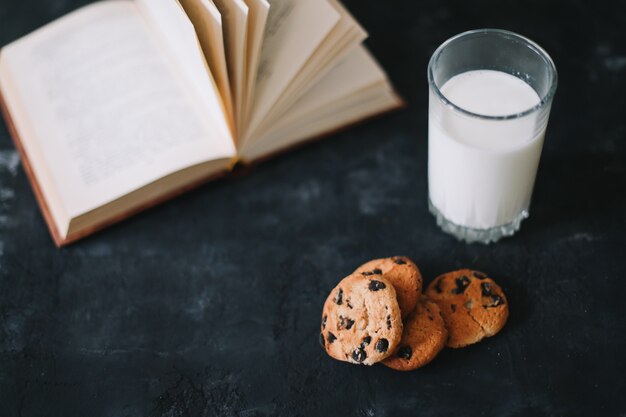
(489, 102)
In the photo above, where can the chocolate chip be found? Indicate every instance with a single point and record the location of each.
(324, 322)
(331, 337)
(376, 285)
(405, 352)
(461, 285)
(497, 300)
(388, 321)
(345, 323)
(486, 292)
(486, 289)
(339, 297)
(399, 261)
(366, 341)
(431, 318)
(453, 307)
(359, 355)
(479, 275)
(377, 271)
(382, 345)
(322, 341)
(438, 285)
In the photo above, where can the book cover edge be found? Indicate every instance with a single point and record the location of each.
(30, 174)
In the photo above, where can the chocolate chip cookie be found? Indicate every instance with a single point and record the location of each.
(361, 320)
(423, 337)
(472, 305)
(403, 274)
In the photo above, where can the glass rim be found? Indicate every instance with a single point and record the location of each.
(543, 101)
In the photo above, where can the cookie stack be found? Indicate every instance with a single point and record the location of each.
(379, 314)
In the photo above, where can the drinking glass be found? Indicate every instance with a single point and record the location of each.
(482, 167)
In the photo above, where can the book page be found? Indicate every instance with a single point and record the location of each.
(336, 117)
(344, 38)
(208, 24)
(235, 23)
(354, 89)
(295, 28)
(352, 75)
(258, 10)
(108, 110)
(175, 34)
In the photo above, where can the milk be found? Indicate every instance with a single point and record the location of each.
(481, 172)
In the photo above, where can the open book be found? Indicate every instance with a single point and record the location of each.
(125, 103)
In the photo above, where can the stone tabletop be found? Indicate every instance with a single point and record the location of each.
(209, 305)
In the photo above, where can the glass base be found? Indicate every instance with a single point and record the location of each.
(471, 235)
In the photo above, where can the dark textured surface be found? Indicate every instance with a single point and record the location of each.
(210, 304)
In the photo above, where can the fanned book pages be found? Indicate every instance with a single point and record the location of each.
(125, 103)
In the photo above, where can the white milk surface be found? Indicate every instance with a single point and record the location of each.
(481, 172)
